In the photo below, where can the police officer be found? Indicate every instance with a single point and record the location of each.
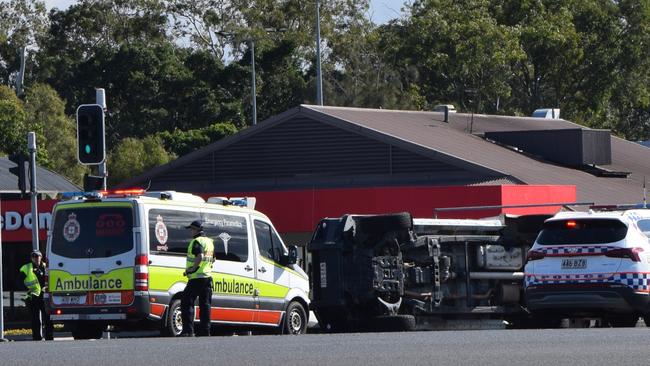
(200, 254)
(34, 280)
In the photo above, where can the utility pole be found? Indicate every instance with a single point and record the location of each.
(20, 80)
(31, 147)
(319, 76)
(253, 91)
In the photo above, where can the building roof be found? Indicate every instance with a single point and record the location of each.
(460, 143)
(454, 138)
(46, 181)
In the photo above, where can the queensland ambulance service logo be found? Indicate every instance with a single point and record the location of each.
(226, 238)
(161, 233)
(71, 228)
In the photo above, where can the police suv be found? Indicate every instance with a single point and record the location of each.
(593, 264)
(118, 259)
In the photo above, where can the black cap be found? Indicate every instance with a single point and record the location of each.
(196, 224)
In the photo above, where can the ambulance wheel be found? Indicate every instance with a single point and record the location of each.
(173, 325)
(295, 320)
(87, 330)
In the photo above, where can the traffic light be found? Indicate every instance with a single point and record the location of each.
(20, 170)
(91, 143)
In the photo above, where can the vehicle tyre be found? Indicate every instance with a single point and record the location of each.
(295, 319)
(378, 224)
(646, 320)
(87, 330)
(173, 325)
(624, 321)
(392, 323)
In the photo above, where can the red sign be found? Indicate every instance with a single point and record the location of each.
(16, 220)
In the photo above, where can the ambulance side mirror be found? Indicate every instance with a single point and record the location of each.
(291, 258)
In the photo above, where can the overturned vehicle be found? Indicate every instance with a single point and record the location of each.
(392, 272)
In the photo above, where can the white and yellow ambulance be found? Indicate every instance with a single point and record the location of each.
(117, 258)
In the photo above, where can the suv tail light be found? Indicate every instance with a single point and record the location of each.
(630, 253)
(141, 273)
(534, 255)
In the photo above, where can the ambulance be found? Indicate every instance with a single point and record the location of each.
(117, 258)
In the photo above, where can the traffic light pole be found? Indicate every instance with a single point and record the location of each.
(2, 305)
(100, 98)
(31, 146)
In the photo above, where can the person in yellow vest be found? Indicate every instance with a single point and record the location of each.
(200, 255)
(34, 280)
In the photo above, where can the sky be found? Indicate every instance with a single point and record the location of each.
(381, 11)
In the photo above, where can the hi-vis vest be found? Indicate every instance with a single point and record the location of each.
(31, 281)
(205, 268)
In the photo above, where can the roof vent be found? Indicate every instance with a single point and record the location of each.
(446, 108)
(550, 113)
(573, 147)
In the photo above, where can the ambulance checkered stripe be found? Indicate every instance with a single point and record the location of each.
(576, 250)
(640, 282)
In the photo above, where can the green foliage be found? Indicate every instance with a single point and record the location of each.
(22, 22)
(133, 156)
(181, 142)
(56, 132)
(13, 128)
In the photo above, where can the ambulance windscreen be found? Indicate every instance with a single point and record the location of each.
(92, 231)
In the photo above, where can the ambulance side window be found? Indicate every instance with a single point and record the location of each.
(229, 234)
(268, 241)
(167, 232)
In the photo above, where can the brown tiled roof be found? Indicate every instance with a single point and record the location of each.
(428, 130)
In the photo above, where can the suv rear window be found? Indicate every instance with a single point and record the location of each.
(92, 231)
(584, 231)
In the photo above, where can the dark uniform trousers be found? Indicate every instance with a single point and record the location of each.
(40, 319)
(201, 288)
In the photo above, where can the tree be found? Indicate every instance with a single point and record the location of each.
(460, 53)
(22, 22)
(133, 156)
(13, 129)
(180, 142)
(56, 132)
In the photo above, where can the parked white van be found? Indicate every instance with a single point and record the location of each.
(117, 259)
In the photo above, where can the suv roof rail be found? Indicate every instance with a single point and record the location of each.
(621, 207)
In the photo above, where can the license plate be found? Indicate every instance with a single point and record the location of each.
(574, 263)
(108, 298)
(69, 300)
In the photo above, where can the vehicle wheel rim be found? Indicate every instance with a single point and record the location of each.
(295, 322)
(177, 321)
